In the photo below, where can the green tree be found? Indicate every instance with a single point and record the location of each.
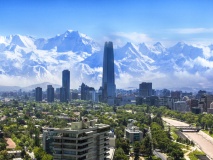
(120, 155)
(146, 146)
(136, 148)
(47, 157)
(39, 153)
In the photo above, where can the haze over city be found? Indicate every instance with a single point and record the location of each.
(168, 64)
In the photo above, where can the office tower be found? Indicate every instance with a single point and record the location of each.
(87, 93)
(176, 94)
(108, 81)
(83, 91)
(50, 93)
(145, 89)
(38, 94)
(66, 84)
(62, 95)
(84, 140)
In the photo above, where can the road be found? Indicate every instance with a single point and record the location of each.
(201, 139)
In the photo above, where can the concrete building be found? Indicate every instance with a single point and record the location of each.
(85, 140)
(210, 109)
(38, 94)
(108, 80)
(208, 101)
(176, 94)
(145, 89)
(181, 106)
(132, 133)
(74, 95)
(88, 93)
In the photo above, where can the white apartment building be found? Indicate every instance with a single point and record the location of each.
(133, 133)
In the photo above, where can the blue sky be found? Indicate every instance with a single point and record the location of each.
(168, 21)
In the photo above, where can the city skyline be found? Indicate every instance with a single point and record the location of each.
(148, 21)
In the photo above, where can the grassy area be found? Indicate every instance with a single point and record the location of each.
(207, 132)
(174, 135)
(193, 156)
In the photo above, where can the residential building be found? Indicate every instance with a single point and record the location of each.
(108, 80)
(84, 140)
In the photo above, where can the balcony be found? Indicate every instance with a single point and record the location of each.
(106, 144)
(69, 141)
(57, 137)
(106, 139)
(69, 146)
(84, 142)
(101, 142)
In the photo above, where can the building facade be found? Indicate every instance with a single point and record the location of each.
(66, 84)
(50, 93)
(88, 93)
(132, 133)
(145, 89)
(38, 94)
(108, 80)
(85, 140)
(181, 106)
(62, 95)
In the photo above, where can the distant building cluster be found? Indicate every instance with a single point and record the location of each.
(106, 93)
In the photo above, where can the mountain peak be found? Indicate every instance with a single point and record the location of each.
(71, 33)
(180, 44)
(158, 44)
(130, 45)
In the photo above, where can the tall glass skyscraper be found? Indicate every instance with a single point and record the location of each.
(38, 94)
(108, 81)
(66, 85)
(50, 93)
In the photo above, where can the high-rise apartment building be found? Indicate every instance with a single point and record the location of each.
(38, 94)
(50, 93)
(145, 89)
(108, 81)
(66, 85)
(84, 140)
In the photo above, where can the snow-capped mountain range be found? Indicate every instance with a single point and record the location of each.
(25, 60)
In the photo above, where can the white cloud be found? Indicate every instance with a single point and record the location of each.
(134, 37)
(192, 30)
(120, 38)
(203, 62)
